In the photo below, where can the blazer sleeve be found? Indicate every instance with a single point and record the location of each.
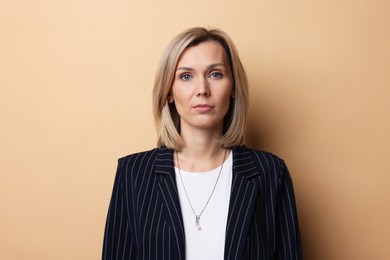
(118, 242)
(287, 228)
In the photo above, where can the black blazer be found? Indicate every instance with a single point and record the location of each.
(144, 218)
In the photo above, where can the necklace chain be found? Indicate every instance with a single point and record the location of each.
(197, 216)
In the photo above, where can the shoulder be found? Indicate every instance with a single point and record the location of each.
(265, 161)
(137, 154)
(258, 154)
(143, 157)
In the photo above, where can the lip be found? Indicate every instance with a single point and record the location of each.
(203, 107)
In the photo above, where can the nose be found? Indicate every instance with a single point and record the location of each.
(203, 88)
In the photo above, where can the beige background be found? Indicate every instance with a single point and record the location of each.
(76, 79)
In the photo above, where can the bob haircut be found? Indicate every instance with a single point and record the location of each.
(165, 114)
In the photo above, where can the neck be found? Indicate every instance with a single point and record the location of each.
(201, 152)
(190, 163)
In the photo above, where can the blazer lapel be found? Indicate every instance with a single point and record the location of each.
(242, 200)
(164, 168)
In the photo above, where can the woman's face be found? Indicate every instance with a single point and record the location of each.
(202, 87)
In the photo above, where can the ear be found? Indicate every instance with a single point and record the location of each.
(233, 93)
(170, 97)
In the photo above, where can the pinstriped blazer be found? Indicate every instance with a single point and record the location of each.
(144, 218)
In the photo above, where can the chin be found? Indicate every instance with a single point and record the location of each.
(208, 125)
(204, 123)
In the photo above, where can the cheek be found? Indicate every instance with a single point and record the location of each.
(226, 103)
(227, 95)
(178, 93)
(227, 99)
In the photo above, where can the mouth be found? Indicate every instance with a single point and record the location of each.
(203, 107)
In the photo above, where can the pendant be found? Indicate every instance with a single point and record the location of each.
(197, 226)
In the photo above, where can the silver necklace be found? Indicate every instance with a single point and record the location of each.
(197, 216)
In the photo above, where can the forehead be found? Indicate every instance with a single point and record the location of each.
(204, 52)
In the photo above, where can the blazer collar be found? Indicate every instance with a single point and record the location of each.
(242, 199)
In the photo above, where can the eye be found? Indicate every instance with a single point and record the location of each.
(216, 75)
(185, 77)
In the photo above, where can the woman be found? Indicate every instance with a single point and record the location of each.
(201, 194)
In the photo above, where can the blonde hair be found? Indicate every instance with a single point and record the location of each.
(166, 117)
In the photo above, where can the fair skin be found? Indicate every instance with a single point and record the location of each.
(201, 92)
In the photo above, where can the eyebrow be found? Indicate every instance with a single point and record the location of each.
(208, 67)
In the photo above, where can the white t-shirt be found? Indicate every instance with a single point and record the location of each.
(209, 242)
